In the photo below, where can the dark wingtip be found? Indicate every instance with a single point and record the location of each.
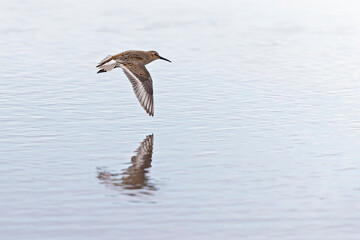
(101, 71)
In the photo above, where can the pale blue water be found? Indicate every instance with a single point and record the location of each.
(256, 128)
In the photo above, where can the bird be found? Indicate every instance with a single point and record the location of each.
(133, 62)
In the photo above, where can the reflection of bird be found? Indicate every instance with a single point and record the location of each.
(133, 64)
(134, 177)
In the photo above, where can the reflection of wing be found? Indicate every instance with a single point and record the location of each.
(144, 153)
(135, 176)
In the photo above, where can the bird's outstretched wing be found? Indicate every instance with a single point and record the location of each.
(142, 84)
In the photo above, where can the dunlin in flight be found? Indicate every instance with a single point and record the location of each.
(133, 64)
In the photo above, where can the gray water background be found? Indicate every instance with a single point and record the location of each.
(256, 128)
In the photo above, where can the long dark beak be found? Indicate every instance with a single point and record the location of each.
(160, 57)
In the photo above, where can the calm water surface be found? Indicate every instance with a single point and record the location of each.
(256, 133)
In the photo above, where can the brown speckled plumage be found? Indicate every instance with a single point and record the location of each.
(133, 64)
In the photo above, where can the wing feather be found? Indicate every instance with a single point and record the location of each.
(141, 82)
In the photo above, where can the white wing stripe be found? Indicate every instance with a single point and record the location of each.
(108, 66)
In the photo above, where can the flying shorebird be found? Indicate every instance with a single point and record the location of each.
(133, 64)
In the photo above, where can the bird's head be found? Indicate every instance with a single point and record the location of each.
(153, 55)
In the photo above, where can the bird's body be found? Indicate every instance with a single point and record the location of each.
(133, 63)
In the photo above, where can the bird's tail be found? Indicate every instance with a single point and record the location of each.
(105, 60)
(106, 65)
